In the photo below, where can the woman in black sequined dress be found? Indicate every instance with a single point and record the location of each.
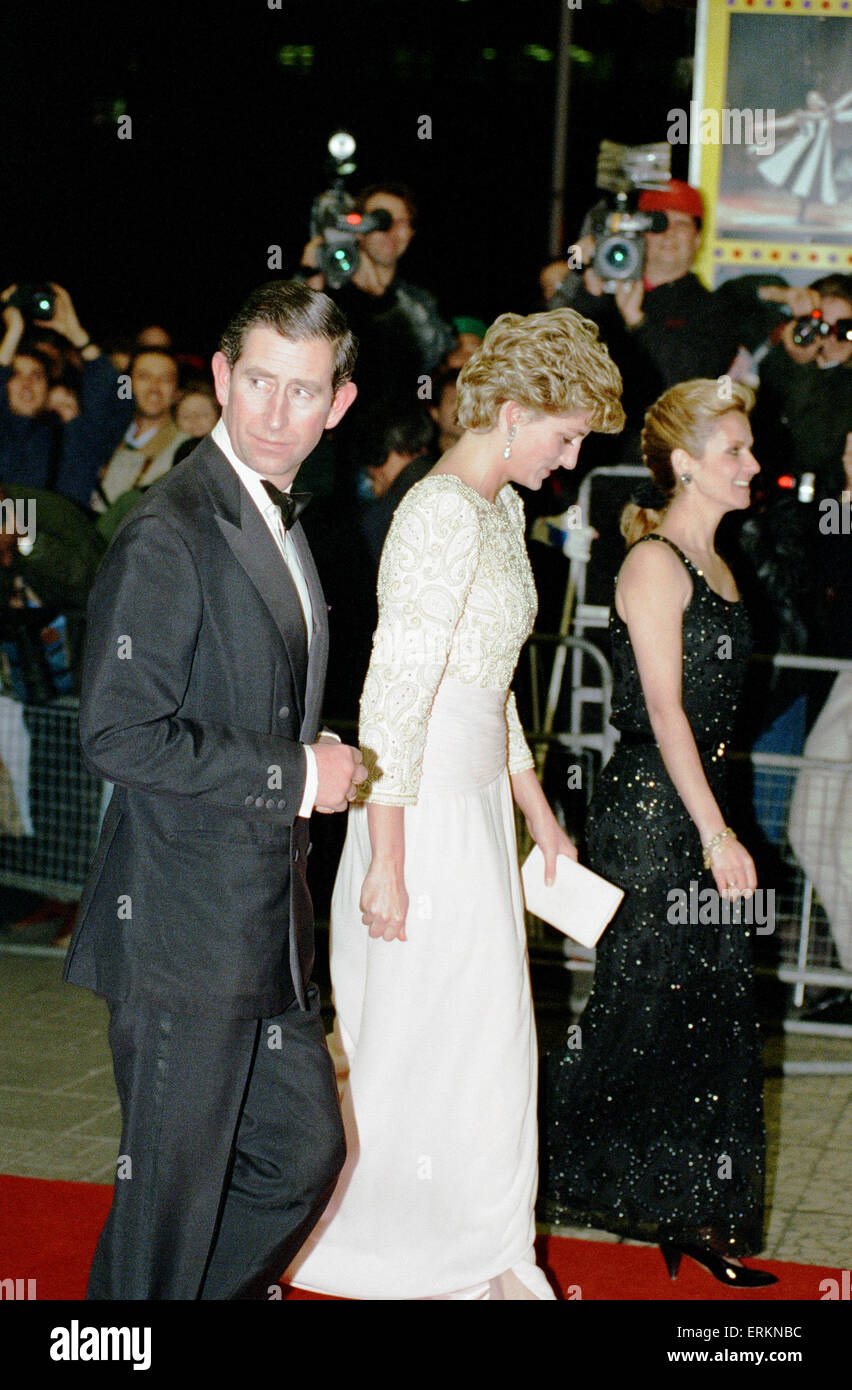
(654, 1127)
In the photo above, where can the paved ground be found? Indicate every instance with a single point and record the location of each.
(59, 1113)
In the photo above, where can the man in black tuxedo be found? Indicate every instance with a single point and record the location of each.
(202, 687)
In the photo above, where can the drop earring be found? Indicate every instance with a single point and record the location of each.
(507, 452)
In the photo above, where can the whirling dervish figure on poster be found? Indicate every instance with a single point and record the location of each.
(804, 163)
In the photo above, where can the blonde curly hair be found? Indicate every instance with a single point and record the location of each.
(551, 362)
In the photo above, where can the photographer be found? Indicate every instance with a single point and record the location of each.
(666, 327)
(797, 562)
(399, 330)
(37, 447)
(804, 406)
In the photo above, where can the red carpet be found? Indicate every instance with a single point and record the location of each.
(48, 1231)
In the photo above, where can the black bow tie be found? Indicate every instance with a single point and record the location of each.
(290, 504)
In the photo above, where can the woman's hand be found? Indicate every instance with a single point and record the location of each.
(733, 869)
(542, 824)
(552, 841)
(384, 901)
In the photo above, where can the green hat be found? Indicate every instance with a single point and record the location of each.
(474, 326)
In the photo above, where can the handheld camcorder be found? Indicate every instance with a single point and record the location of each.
(617, 225)
(335, 217)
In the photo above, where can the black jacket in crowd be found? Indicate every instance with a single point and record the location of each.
(44, 452)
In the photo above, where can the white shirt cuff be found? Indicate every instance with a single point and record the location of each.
(311, 782)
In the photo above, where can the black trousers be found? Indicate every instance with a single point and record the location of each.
(231, 1146)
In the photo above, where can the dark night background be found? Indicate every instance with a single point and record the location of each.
(232, 105)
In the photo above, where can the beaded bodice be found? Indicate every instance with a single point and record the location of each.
(716, 639)
(456, 602)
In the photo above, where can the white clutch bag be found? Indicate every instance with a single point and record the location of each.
(579, 903)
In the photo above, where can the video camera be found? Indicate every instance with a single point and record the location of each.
(618, 227)
(809, 327)
(34, 301)
(334, 217)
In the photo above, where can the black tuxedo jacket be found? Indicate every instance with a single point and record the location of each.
(197, 697)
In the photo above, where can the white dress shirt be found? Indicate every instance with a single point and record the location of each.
(253, 484)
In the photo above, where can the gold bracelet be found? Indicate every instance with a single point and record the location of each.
(715, 842)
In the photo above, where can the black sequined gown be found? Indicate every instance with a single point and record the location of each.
(653, 1127)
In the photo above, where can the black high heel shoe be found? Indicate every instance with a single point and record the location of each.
(735, 1276)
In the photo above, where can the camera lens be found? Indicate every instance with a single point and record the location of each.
(619, 258)
(806, 330)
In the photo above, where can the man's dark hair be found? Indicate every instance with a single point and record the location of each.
(440, 381)
(24, 349)
(153, 352)
(298, 313)
(409, 433)
(834, 287)
(396, 190)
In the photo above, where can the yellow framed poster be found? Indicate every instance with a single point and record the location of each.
(770, 133)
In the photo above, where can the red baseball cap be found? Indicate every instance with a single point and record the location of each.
(677, 197)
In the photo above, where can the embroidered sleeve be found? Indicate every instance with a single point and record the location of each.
(427, 569)
(520, 757)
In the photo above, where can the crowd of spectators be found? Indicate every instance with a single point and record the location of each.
(86, 429)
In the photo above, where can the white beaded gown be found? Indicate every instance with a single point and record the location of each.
(437, 1195)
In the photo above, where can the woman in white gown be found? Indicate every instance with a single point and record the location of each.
(433, 1003)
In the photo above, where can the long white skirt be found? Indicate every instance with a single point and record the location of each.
(437, 1195)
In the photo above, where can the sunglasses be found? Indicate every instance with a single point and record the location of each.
(810, 327)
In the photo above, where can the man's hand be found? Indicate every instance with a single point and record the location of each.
(310, 257)
(367, 277)
(593, 283)
(798, 298)
(65, 320)
(797, 352)
(340, 772)
(384, 901)
(12, 316)
(551, 277)
(13, 320)
(629, 295)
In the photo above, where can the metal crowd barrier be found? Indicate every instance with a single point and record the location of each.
(51, 807)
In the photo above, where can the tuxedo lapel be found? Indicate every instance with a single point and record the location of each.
(318, 660)
(252, 545)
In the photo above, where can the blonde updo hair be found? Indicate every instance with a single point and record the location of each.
(684, 417)
(551, 362)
